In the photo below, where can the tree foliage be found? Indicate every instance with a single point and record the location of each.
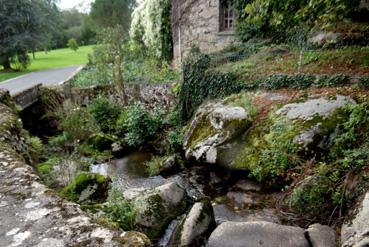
(25, 25)
(110, 13)
(151, 26)
(72, 44)
(279, 17)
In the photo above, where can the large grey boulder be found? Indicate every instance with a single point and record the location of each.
(318, 117)
(321, 236)
(355, 232)
(258, 233)
(212, 127)
(155, 208)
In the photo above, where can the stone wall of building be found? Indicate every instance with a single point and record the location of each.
(196, 22)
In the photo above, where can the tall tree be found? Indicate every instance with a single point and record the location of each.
(110, 13)
(25, 24)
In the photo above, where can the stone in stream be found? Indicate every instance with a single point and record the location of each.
(170, 166)
(321, 236)
(258, 233)
(223, 213)
(197, 223)
(248, 185)
(155, 208)
(355, 232)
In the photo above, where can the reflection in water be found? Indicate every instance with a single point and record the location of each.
(129, 167)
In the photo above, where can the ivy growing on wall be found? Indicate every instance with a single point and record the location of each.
(151, 26)
(201, 83)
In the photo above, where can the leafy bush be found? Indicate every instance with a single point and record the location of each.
(312, 196)
(72, 44)
(35, 144)
(175, 141)
(353, 132)
(281, 155)
(331, 81)
(78, 124)
(279, 18)
(137, 124)
(46, 171)
(104, 113)
(364, 82)
(91, 76)
(120, 211)
(154, 165)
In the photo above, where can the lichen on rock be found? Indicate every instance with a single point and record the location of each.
(212, 127)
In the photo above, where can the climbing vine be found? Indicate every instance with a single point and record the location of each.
(151, 26)
(201, 83)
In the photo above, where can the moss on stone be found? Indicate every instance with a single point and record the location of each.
(270, 150)
(82, 182)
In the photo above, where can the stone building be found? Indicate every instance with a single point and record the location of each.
(208, 24)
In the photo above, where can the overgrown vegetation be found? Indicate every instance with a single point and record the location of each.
(280, 19)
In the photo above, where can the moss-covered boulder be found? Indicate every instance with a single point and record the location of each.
(88, 188)
(212, 128)
(136, 239)
(155, 208)
(289, 134)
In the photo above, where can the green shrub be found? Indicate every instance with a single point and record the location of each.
(279, 157)
(46, 171)
(104, 113)
(364, 82)
(91, 76)
(154, 165)
(59, 140)
(35, 144)
(138, 125)
(312, 196)
(280, 18)
(331, 81)
(78, 124)
(120, 211)
(72, 44)
(354, 131)
(175, 141)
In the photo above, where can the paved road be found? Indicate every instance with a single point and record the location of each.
(46, 77)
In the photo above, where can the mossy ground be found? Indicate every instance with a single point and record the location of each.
(350, 60)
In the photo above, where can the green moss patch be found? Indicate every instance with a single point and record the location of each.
(94, 187)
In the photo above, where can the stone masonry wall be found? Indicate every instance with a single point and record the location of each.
(30, 213)
(197, 21)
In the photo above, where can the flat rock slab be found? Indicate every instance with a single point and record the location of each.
(254, 234)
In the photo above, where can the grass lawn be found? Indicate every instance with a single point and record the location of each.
(53, 59)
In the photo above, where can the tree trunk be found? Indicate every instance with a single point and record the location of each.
(6, 64)
(33, 54)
